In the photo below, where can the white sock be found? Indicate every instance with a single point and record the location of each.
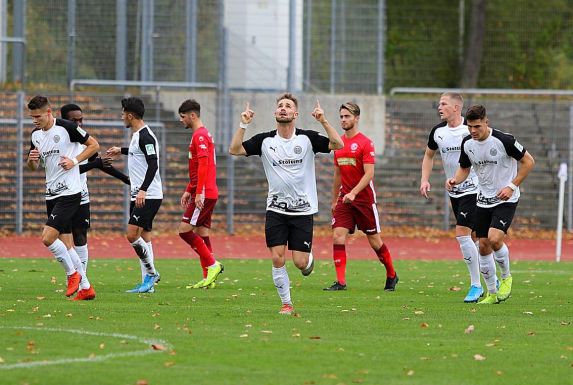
(61, 254)
(471, 258)
(487, 270)
(84, 283)
(501, 256)
(310, 259)
(282, 283)
(140, 247)
(151, 258)
(82, 252)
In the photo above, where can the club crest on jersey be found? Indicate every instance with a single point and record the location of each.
(150, 149)
(56, 138)
(81, 131)
(297, 149)
(493, 152)
(353, 147)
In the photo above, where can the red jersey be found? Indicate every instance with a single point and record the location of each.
(202, 146)
(350, 160)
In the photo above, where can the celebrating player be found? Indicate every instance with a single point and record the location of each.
(55, 142)
(288, 156)
(494, 156)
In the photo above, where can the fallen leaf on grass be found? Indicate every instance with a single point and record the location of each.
(479, 357)
(1, 360)
(418, 312)
(53, 280)
(169, 364)
(142, 382)
(528, 312)
(424, 325)
(469, 329)
(243, 336)
(410, 372)
(158, 347)
(314, 338)
(531, 333)
(455, 288)
(40, 298)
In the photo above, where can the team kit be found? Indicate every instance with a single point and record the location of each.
(484, 168)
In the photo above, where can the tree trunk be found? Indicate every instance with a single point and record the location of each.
(474, 48)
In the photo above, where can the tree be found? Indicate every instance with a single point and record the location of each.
(474, 47)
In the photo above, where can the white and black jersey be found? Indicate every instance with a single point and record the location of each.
(143, 164)
(495, 163)
(62, 139)
(289, 167)
(448, 140)
(83, 176)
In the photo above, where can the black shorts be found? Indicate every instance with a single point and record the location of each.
(292, 230)
(82, 218)
(497, 217)
(143, 216)
(464, 209)
(61, 211)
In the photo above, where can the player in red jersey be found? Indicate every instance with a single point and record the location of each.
(201, 194)
(354, 198)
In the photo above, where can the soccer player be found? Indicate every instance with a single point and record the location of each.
(81, 221)
(446, 138)
(146, 188)
(494, 156)
(55, 144)
(288, 156)
(354, 198)
(201, 194)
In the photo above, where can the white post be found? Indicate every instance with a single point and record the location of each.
(562, 175)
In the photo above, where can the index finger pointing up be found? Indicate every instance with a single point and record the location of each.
(247, 106)
(317, 103)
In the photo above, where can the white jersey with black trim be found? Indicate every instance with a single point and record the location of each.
(495, 163)
(143, 146)
(83, 176)
(448, 140)
(62, 139)
(290, 170)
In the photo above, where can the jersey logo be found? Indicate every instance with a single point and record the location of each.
(56, 138)
(87, 221)
(150, 149)
(465, 215)
(441, 137)
(81, 131)
(297, 150)
(502, 223)
(353, 147)
(518, 146)
(493, 152)
(136, 217)
(307, 244)
(273, 148)
(54, 216)
(472, 151)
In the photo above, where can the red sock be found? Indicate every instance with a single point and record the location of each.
(385, 258)
(208, 244)
(199, 246)
(339, 256)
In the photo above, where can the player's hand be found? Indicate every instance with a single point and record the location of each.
(113, 151)
(185, 199)
(34, 155)
(425, 188)
(106, 160)
(450, 183)
(66, 163)
(247, 115)
(140, 198)
(318, 113)
(349, 198)
(200, 201)
(505, 193)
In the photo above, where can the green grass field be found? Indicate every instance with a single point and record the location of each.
(419, 334)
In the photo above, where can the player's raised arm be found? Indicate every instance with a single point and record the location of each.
(236, 147)
(335, 140)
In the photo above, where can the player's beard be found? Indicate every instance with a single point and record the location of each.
(348, 127)
(286, 119)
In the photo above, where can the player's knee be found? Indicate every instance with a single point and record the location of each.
(48, 239)
(131, 237)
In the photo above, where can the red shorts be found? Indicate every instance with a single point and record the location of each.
(362, 216)
(199, 218)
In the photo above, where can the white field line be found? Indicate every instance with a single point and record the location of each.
(147, 341)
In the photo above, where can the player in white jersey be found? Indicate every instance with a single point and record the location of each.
(82, 221)
(446, 138)
(54, 145)
(494, 156)
(146, 188)
(288, 155)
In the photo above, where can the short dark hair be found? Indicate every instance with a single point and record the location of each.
(190, 105)
(289, 96)
(476, 112)
(38, 102)
(134, 106)
(351, 107)
(66, 109)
